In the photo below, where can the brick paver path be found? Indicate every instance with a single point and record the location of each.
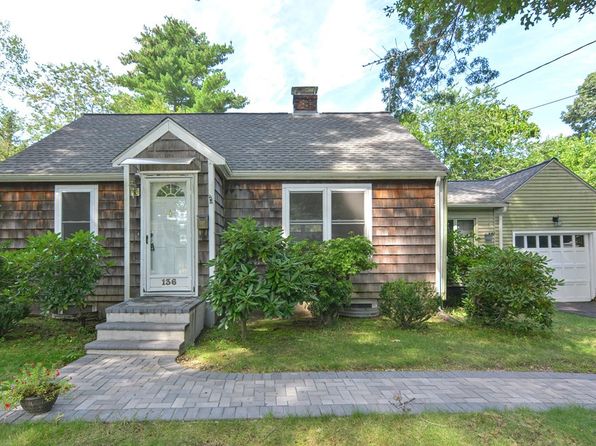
(125, 388)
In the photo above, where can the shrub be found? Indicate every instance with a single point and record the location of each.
(255, 270)
(34, 381)
(511, 288)
(332, 263)
(58, 273)
(462, 254)
(409, 304)
(12, 310)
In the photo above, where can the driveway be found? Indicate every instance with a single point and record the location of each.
(582, 308)
(157, 388)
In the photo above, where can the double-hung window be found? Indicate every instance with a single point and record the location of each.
(325, 211)
(75, 209)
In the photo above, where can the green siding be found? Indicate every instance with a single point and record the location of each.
(485, 220)
(552, 191)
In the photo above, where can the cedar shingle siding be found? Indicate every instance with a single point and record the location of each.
(403, 226)
(27, 209)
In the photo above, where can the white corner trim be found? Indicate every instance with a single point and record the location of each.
(211, 210)
(92, 189)
(168, 125)
(326, 189)
(126, 232)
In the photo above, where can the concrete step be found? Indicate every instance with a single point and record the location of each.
(158, 318)
(123, 347)
(141, 331)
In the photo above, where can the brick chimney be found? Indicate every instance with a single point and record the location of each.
(305, 99)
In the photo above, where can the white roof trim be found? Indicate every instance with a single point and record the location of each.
(168, 125)
(157, 161)
(60, 177)
(333, 174)
(487, 204)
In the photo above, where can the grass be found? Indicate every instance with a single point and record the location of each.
(50, 342)
(375, 344)
(570, 426)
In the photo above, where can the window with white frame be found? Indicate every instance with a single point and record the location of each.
(325, 211)
(75, 209)
(465, 226)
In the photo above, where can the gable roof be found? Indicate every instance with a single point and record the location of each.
(492, 192)
(249, 142)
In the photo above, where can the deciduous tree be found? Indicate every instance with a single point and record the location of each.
(477, 135)
(581, 115)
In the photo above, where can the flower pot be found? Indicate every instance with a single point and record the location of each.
(37, 404)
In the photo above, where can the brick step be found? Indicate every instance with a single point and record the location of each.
(141, 331)
(123, 347)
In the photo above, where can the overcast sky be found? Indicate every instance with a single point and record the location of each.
(280, 43)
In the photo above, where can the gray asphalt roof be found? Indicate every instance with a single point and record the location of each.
(490, 191)
(248, 141)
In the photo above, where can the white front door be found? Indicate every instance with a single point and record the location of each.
(568, 254)
(168, 238)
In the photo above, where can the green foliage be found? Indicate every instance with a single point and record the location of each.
(13, 58)
(255, 270)
(409, 304)
(477, 135)
(12, 310)
(581, 115)
(177, 67)
(35, 380)
(443, 34)
(332, 263)
(59, 94)
(10, 127)
(511, 289)
(462, 253)
(58, 273)
(578, 153)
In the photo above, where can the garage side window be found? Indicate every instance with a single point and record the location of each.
(75, 209)
(321, 212)
(464, 226)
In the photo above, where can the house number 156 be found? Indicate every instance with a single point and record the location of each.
(168, 281)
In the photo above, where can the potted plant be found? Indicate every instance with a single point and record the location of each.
(35, 388)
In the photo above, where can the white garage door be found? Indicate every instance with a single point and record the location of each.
(568, 254)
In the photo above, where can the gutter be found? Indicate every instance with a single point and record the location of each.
(61, 177)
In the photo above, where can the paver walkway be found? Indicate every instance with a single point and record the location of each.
(125, 388)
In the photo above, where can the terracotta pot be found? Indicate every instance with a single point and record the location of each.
(36, 404)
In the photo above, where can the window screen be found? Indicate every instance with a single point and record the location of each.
(76, 213)
(306, 215)
(347, 214)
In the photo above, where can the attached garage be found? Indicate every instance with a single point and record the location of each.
(569, 255)
(545, 209)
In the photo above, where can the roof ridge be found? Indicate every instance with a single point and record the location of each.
(237, 113)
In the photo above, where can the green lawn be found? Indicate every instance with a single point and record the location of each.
(50, 342)
(374, 344)
(556, 427)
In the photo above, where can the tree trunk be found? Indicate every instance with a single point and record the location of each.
(243, 329)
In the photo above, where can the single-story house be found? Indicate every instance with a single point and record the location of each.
(161, 188)
(546, 209)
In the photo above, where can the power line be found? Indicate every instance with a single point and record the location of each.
(545, 64)
(525, 73)
(552, 102)
(560, 99)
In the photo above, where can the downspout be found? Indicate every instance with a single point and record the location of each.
(439, 253)
(501, 212)
(210, 314)
(444, 217)
(126, 232)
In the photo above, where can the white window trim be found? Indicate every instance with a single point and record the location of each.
(327, 189)
(93, 208)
